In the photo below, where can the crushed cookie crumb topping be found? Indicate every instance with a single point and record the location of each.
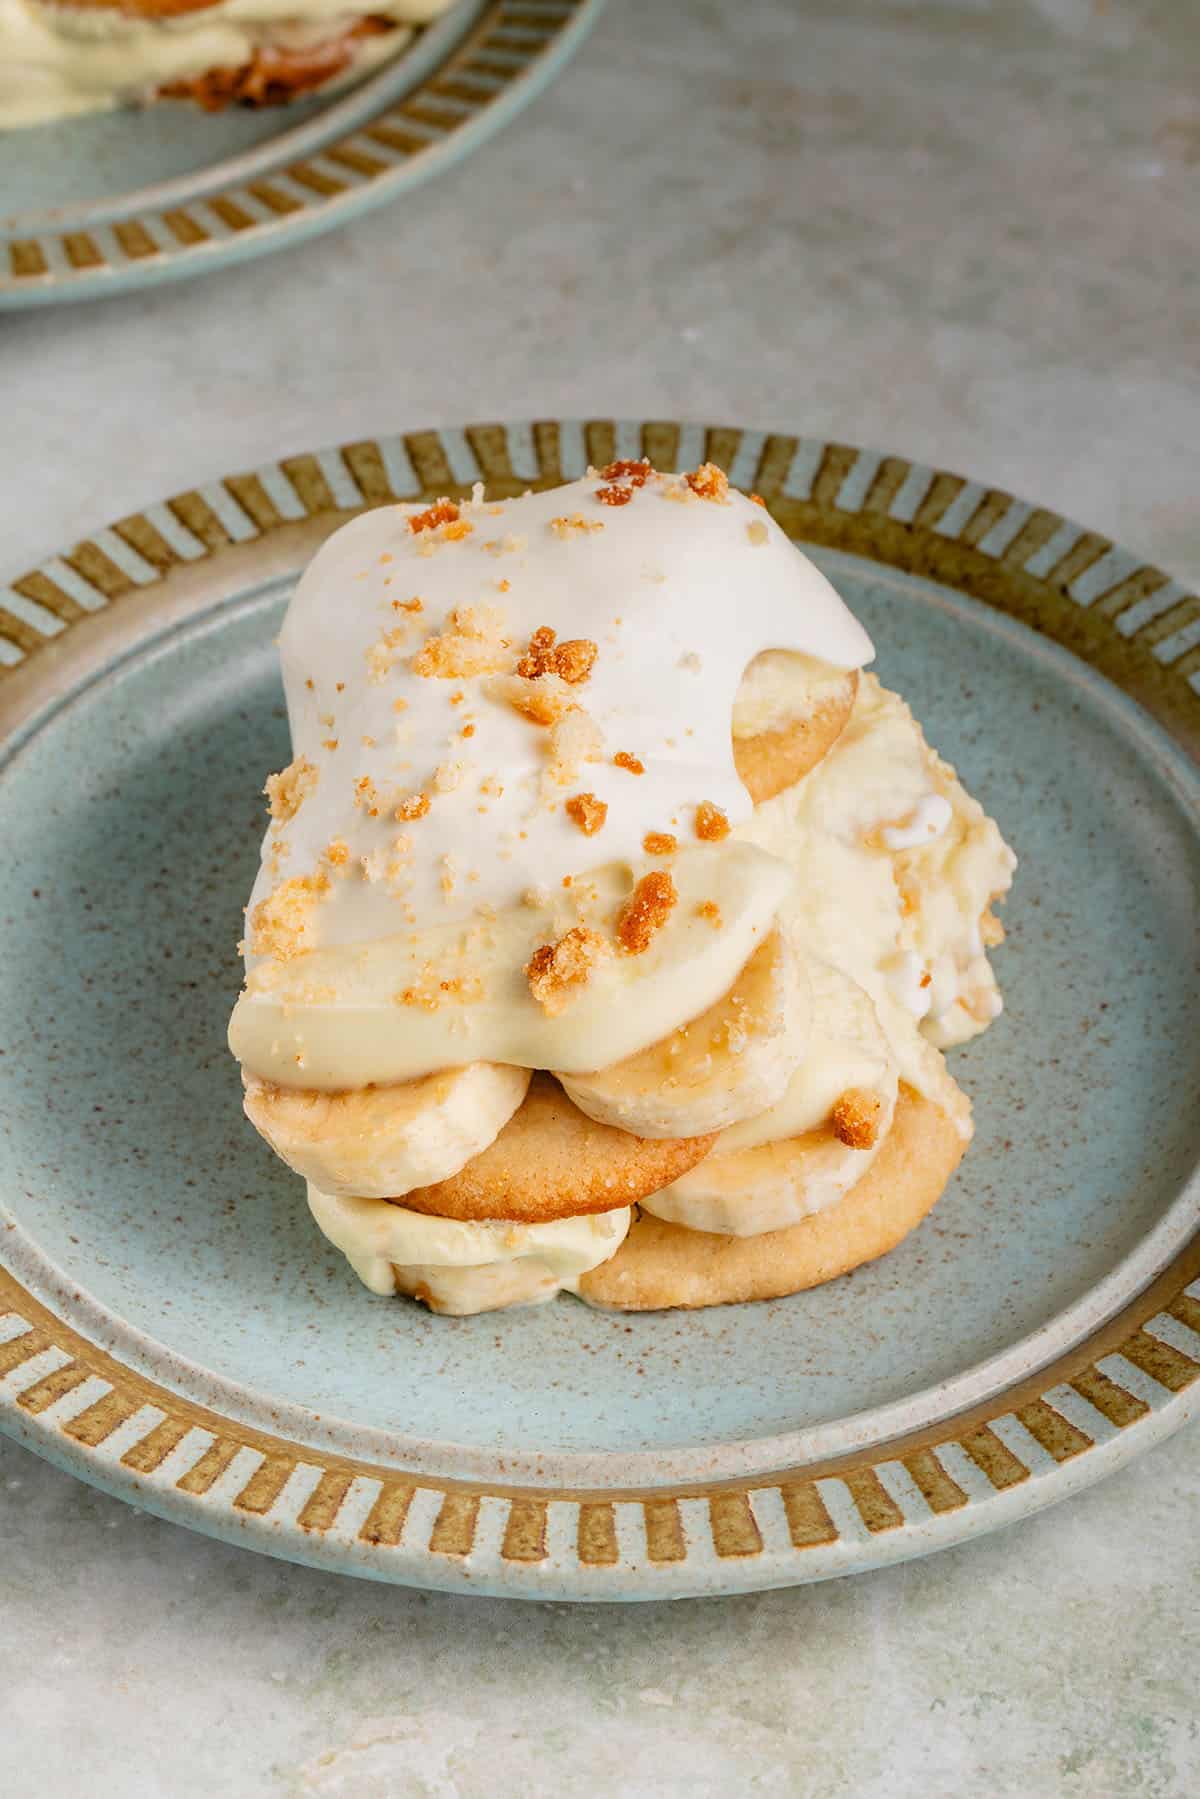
(474, 643)
(442, 512)
(287, 791)
(709, 909)
(659, 843)
(645, 912)
(556, 971)
(756, 499)
(414, 805)
(574, 526)
(708, 482)
(279, 924)
(855, 1118)
(585, 810)
(571, 661)
(711, 824)
(627, 760)
(614, 496)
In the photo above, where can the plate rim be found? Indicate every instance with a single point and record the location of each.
(1033, 1441)
(417, 129)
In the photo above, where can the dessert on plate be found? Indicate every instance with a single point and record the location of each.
(612, 918)
(91, 55)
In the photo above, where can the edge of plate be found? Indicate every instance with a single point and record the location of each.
(486, 76)
(1127, 1386)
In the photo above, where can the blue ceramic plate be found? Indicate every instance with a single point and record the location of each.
(172, 1327)
(114, 201)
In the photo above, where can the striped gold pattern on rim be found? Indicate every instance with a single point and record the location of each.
(498, 59)
(1125, 618)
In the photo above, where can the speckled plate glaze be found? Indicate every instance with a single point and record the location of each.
(116, 201)
(173, 1329)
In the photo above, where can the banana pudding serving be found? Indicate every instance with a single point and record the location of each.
(612, 920)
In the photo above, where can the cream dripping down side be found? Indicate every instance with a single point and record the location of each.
(425, 844)
(58, 61)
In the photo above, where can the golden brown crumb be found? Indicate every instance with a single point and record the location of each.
(431, 994)
(468, 730)
(473, 644)
(413, 605)
(556, 970)
(399, 705)
(311, 684)
(637, 473)
(711, 823)
(329, 743)
(369, 743)
(442, 512)
(542, 701)
(645, 911)
(571, 661)
(757, 499)
(415, 805)
(537, 658)
(504, 585)
(337, 853)
(614, 496)
(575, 526)
(626, 759)
(856, 1118)
(287, 790)
(659, 843)
(341, 686)
(366, 795)
(279, 924)
(587, 812)
(708, 482)
(709, 909)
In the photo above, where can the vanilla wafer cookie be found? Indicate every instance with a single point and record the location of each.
(662, 1265)
(551, 1161)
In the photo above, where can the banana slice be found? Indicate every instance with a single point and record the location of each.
(380, 1142)
(808, 1150)
(789, 712)
(731, 1062)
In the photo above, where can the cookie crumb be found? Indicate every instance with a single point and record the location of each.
(473, 644)
(414, 805)
(575, 526)
(279, 924)
(709, 909)
(708, 482)
(556, 970)
(627, 760)
(645, 912)
(856, 1118)
(287, 791)
(711, 824)
(659, 843)
(442, 512)
(585, 810)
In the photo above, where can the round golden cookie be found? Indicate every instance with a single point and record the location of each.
(661, 1265)
(551, 1161)
(773, 760)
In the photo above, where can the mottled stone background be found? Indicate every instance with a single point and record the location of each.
(963, 231)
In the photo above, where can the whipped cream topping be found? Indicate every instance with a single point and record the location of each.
(57, 61)
(446, 813)
(904, 923)
(384, 1242)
